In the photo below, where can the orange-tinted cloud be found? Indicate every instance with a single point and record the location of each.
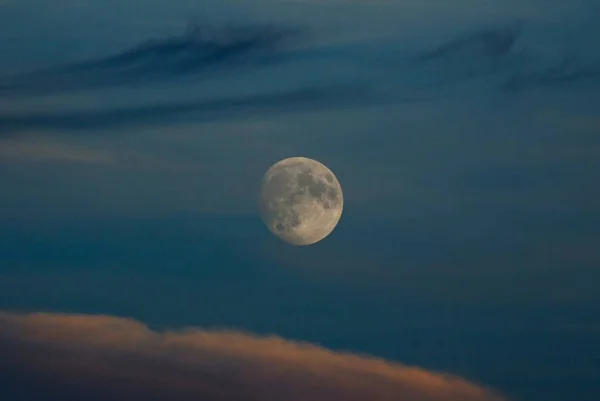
(36, 149)
(102, 357)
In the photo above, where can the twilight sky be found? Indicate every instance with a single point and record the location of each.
(466, 138)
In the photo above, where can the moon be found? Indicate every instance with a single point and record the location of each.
(301, 200)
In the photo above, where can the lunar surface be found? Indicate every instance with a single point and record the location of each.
(301, 200)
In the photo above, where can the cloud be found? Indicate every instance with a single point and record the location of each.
(103, 357)
(30, 149)
(509, 56)
(200, 49)
(566, 71)
(506, 56)
(490, 42)
(309, 98)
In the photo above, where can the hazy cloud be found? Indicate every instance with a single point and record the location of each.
(512, 56)
(506, 56)
(566, 71)
(199, 49)
(32, 149)
(196, 110)
(490, 42)
(104, 357)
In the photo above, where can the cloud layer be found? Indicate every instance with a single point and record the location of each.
(102, 357)
(244, 62)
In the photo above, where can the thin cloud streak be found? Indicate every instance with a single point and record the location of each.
(33, 150)
(303, 99)
(198, 50)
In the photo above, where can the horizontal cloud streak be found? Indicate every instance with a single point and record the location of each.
(102, 357)
(30, 149)
(198, 50)
(565, 72)
(507, 56)
(196, 110)
(491, 42)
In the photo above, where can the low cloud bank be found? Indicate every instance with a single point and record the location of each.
(101, 357)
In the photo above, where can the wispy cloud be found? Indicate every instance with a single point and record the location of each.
(507, 56)
(503, 56)
(196, 110)
(102, 356)
(32, 149)
(199, 50)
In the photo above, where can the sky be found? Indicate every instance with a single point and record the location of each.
(133, 140)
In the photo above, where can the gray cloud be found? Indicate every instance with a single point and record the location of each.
(504, 55)
(489, 42)
(566, 71)
(301, 99)
(199, 50)
(103, 357)
(508, 56)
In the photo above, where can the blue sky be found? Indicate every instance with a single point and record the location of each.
(464, 135)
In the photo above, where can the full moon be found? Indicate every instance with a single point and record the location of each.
(301, 200)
